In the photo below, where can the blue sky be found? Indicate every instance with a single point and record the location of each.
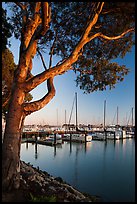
(90, 106)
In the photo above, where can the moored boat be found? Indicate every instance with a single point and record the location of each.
(77, 137)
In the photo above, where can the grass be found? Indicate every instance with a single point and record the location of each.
(42, 198)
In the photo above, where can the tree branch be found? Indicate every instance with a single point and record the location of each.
(30, 37)
(6, 101)
(37, 105)
(37, 8)
(23, 7)
(66, 64)
(35, 33)
(51, 52)
(46, 15)
(44, 65)
(110, 11)
(116, 37)
(28, 44)
(30, 28)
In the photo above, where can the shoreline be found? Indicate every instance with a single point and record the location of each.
(38, 184)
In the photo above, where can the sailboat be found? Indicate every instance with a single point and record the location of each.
(79, 135)
(101, 135)
(115, 129)
(130, 129)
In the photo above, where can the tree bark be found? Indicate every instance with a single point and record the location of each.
(16, 115)
(12, 142)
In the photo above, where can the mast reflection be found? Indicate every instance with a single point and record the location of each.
(36, 150)
(70, 150)
(27, 145)
(76, 167)
(55, 150)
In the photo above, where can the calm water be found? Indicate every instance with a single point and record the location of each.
(106, 169)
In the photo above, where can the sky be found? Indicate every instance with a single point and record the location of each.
(90, 106)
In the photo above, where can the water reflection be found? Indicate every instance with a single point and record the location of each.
(70, 150)
(55, 147)
(36, 150)
(35, 145)
(76, 167)
(114, 141)
(27, 146)
(118, 145)
(104, 168)
(55, 151)
(86, 146)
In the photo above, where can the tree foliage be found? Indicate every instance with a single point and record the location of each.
(94, 68)
(6, 29)
(8, 68)
(8, 65)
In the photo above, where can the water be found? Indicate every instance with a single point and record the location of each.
(106, 169)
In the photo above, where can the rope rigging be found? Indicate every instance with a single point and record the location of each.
(72, 110)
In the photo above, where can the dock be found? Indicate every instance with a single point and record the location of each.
(43, 142)
(112, 135)
(74, 136)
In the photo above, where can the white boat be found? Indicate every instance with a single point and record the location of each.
(88, 138)
(57, 138)
(77, 137)
(98, 136)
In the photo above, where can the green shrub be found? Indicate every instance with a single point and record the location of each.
(42, 198)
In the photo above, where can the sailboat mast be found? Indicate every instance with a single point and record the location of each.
(117, 115)
(57, 117)
(76, 111)
(132, 116)
(65, 116)
(104, 113)
(65, 119)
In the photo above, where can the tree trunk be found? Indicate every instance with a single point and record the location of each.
(12, 142)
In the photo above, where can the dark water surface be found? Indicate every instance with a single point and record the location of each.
(106, 169)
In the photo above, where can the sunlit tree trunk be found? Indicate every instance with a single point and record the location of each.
(12, 142)
(18, 109)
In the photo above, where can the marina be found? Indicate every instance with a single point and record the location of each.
(55, 137)
(80, 133)
(51, 139)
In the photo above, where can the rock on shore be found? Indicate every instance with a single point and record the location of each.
(39, 183)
